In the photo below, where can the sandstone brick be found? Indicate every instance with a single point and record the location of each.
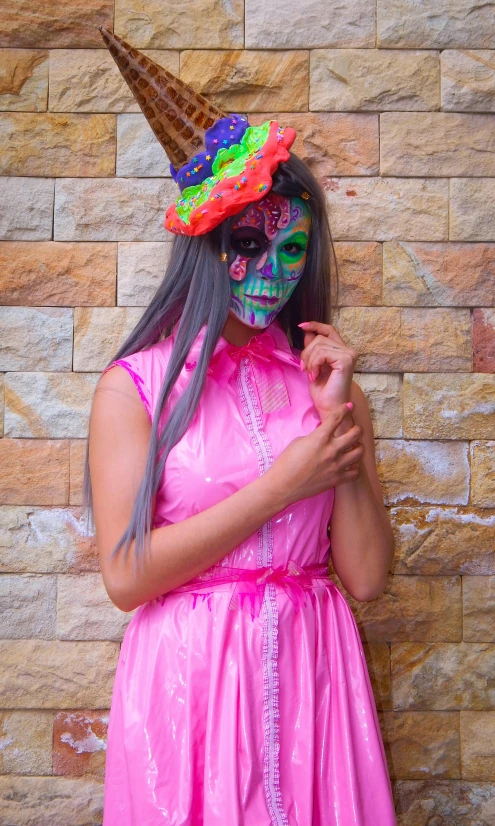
(359, 273)
(437, 144)
(421, 802)
(2, 402)
(34, 471)
(123, 210)
(58, 145)
(331, 143)
(478, 745)
(26, 208)
(48, 405)
(383, 209)
(46, 801)
(311, 25)
(468, 80)
(484, 340)
(52, 674)
(373, 79)
(482, 455)
(407, 339)
(206, 25)
(438, 274)
(478, 593)
(88, 80)
(79, 743)
(52, 25)
(57, 273)
(449, 406)
(246, 81)
(24, 80)
(28, 606)
(139, 153)
(394, 614)
(384, 396)
(45, 540)
(471, 209)
(443, 676)
(77, 450)
(48, 345)
(26, 742)
(85, 612)
(99, 333)
(422, 743)
(447, 23)
(377, 656)
(418, 472)
(442, 541)
(141, 270)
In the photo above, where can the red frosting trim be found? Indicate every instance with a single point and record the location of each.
(232, 200)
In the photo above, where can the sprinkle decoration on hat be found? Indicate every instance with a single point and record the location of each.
(219, 162)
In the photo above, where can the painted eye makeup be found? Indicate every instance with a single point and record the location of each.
(248, 242)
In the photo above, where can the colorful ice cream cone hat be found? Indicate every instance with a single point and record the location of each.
(219, 162)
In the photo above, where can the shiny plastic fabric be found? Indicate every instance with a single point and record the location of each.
(220, 716)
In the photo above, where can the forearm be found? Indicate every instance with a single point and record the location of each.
(181, 551)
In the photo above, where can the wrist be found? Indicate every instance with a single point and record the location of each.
(273, 491)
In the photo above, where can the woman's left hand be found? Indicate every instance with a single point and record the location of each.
(331, 362)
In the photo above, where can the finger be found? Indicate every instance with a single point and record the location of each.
(330, 423)
(321, 354)
(346, 440)
(321, 328)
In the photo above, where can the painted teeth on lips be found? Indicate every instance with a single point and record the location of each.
(264, 299)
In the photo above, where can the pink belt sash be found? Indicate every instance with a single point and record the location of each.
(251, 582)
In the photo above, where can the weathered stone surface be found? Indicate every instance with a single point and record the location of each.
(46, 801)
(28, 606)
(370, 79)
(478, 594)
(45, 540)
(359, 274)
(384, 396)
(484, 340)
(48, 405)
(483, 473)
(315, 24)
(377, 656)
(382, 209)
(415, 472)
(438, 275)
(422, 743)
(54, 25)
(139, 153)
(478, 745)
(34, 472)
(449, 406)
(468, 80)
(421, 803)
(249, 81)
(57, 273)
(331, 143)
(2, 404)
(58, 145)
(394, 614)
(79, 743)
(442, 541)
(26, 208)
(122, 210)
(407, 339)
(141, 270)
(437, 144)
(23, 80)
(443, 675)
(88, 80)
(77, 452)
(471, 209)
(48, 345)
(85, 612)
(444, 23)
(53, 674)
(99, 333)
(26, 742)
(210, 24)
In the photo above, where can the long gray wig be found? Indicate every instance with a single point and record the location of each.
(196, 291)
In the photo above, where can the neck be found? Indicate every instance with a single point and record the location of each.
(237, 333)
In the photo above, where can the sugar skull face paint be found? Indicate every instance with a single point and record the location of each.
(268, 250)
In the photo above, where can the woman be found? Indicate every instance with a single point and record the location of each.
(222, 449)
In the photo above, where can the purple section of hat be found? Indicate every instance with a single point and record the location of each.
(224, 132)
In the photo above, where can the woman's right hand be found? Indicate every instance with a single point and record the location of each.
(318, 461)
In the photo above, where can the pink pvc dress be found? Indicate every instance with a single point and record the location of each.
(243, 697)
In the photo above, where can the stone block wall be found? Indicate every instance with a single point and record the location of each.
(394, 104)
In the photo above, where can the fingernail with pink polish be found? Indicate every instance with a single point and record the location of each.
(303, 324)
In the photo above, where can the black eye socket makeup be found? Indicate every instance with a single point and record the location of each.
(248, 242)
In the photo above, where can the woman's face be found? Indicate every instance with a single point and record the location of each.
(268, 250)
